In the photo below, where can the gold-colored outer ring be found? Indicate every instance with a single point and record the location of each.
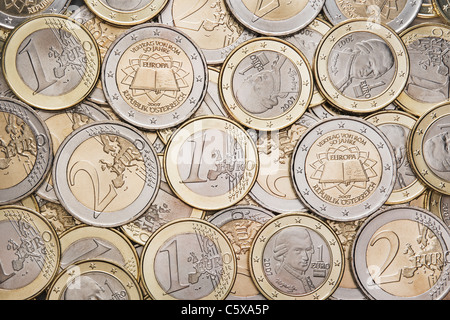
(58, 286)
(232, 105)
(52, 249)
(404, 101)
(207, 203)
(415, 149)
(26, 94)
(125, 18)
(439, 8)
(320, 26)
(427, 11)
(359, 106)
(305, 220)
(186, 226)
(434, 204)
(415, 189)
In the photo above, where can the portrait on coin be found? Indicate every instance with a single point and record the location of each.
(264, 82)
(293, 250)
(437, 151)
(398, 136)
(85, 288)
(361, 68)
(127, 5)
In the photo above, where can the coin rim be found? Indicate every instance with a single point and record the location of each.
(121, 108)
(126, 18)
(57, 6)
(353, 105)
(111, 235)
(14, 81)
(48, 145)
(286, 220)
(206, 203)
(213, 56)
(360, 208)
(47, 114)
(275, 27)
(360, 254)
(154, 243)
(54, 291)
(404, 101)
(415, 189)
(415, 149)
(401, 21)
(62, 179)
(233, 106)
(30, 291)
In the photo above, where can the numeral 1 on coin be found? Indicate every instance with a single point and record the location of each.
(31, 52)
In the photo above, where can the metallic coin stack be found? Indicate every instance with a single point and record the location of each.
(224, 149)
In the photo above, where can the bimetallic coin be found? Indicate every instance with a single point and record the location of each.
(442, 9)
(346, 232)
(296, 256)
(211, 105)
(427, 10)
(397, 14)
(275, 18)
(422, 200)
(188, 259)
(397, 125)
(104, 34)
(13, 13)
(166, 207)
(211, 163)
(439, 205)
(25, 150)
(154, 76)
(29, 255)
(361, 66)
(429, 78)
(240, 224)
(266, 84)
(60, 124)
(209, 24)
(87, 243)
(126, 13)
(51, 62)
(273, 188)
(106, 174)
(343, 168)
(402, 253)
(428, 148)
(307, 40)
(94, 280)
(323, 111)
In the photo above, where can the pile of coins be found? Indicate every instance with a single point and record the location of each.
(224, 149)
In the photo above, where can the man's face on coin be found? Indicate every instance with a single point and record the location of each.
(300, 252)
(437, 152)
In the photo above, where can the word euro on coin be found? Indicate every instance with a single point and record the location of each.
(51, 62)
(415, 265)
(26, 151)
(211, 162)
(343, 168)
(188, 259)
(106, 174)
(154, 76)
